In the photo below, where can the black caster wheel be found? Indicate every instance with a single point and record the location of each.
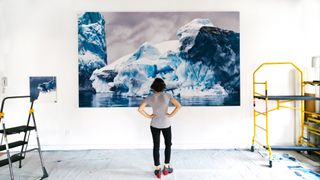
(270, 164)
(252, 149)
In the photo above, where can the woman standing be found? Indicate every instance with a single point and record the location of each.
(159, 101)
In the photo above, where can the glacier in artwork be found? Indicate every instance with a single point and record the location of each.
(91, 47)
(203, 61)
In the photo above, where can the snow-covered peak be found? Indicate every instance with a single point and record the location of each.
(146, 50)
(192, 28)
(187, 33)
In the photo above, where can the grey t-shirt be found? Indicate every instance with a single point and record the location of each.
(159, 103)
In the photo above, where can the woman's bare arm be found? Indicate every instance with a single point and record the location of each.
(143, 112)
(176, 109)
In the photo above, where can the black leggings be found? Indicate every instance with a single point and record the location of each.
(156, 144)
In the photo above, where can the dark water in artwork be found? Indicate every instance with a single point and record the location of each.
(89, 99)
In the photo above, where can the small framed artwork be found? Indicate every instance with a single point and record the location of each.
(43, 88)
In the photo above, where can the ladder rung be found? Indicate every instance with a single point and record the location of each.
(260, 113)
(258, 142)
(13, 158)
(261, 127)
(312, 128)
(314, 132)
(313, 120)
(13, 145)
(18, 129)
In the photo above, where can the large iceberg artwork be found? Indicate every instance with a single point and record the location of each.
(121, 53)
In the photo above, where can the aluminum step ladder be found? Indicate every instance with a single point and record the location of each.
(26, 131)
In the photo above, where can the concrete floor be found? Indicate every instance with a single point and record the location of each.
(138, 165)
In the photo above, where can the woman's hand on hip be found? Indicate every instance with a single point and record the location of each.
(152, 116)
(169, 115)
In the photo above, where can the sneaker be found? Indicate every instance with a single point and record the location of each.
(157, 172)
(167, 170)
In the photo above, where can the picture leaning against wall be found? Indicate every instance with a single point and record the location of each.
(196, 53)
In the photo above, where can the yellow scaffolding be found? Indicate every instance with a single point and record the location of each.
(280, 101)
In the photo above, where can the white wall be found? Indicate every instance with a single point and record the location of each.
(39, 37)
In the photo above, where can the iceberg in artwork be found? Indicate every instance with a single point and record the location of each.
(203, 61)
(131, 74)
(43, 88)
(91, 47)
(189, 32)
(47, 86)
